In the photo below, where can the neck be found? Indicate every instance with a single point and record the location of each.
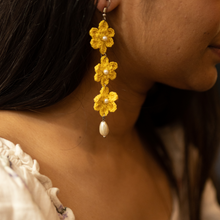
(74, 117)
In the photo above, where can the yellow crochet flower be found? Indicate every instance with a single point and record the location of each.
(105, 101)
(105, 71)
(102, 37)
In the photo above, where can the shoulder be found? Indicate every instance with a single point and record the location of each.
(15, 199)
(24, 192)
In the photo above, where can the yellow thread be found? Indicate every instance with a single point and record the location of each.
(101, 106)
(103, 67)
(105, 70)
(97, 35)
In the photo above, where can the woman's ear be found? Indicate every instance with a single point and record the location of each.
(110, 4)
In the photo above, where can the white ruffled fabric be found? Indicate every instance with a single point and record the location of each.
(24, 192)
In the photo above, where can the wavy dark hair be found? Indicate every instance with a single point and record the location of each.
(44, 53)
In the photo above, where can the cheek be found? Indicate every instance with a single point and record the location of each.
(192, 73)
(178, 51)
(184, 66)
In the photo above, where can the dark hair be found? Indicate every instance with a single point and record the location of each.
(44, 50)
(44, 53)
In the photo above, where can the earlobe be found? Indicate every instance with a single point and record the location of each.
(110, 4)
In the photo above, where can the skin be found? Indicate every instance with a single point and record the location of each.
(156, 41)
(168, 42)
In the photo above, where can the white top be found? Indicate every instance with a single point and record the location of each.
(27, 194)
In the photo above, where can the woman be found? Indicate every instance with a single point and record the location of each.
(156, 161)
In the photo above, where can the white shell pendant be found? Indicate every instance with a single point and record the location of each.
(103, 129)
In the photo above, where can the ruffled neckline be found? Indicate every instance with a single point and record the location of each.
(13, 155)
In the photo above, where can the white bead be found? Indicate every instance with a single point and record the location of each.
(106, 101)
(103, 129)
(105, 72)
(104, 38)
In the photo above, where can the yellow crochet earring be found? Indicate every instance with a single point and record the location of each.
(105, 71)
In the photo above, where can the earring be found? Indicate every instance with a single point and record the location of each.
(105, 71)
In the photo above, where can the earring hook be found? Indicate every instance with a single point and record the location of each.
(109, 2)
(105, 10)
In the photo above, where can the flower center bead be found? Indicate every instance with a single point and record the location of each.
(105, 72)
(104, 38)
(106, 101)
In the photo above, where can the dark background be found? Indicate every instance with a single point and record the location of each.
(217, 167)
